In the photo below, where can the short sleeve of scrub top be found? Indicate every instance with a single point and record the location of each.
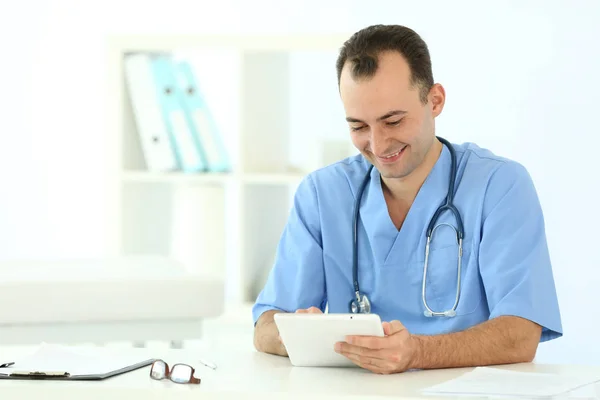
(513, 255)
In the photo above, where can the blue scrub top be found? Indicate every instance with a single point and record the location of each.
(506, 268)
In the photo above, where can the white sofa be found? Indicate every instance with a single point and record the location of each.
(133, 299)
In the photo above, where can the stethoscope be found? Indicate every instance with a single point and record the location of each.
(361, 303)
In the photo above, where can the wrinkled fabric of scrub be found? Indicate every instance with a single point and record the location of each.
(506, 267)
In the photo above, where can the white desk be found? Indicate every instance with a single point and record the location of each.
(245, 374)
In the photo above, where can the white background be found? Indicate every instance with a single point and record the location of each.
(522, 78)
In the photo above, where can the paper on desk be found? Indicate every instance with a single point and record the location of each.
(490, 381)
(57, 358)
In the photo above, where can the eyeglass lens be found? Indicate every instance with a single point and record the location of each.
(159, 370)
(181, 373)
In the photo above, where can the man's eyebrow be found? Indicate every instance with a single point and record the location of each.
(385, 116)
(391, 114)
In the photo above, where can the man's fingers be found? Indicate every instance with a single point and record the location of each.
(372, 364)
(345, 349)
(311, 310)
(376, 342)
(396, 326)
(369, 342)
(389, 328)
(377, 361)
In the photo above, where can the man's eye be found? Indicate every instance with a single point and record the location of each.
(356, 128)
(394, 123)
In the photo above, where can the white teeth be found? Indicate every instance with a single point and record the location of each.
(395, 154)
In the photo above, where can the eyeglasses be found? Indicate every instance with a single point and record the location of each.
(180, 373)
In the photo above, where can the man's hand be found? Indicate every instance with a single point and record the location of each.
(501, 340)
(266, 335)
(395, 352)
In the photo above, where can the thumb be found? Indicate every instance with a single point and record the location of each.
(389, 328)
(386, 328)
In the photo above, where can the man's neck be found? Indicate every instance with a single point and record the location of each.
(405, 189)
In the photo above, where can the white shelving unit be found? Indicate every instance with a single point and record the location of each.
(223, 223)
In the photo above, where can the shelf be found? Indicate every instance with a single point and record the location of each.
(272, 178)
(176, 177)
(212, 178)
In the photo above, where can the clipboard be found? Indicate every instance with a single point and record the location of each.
(57, 362)
(66, 376)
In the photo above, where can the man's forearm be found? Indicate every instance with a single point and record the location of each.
(266, 335)
(503, 340)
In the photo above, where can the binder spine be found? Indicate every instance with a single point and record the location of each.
(186, 146)
(201, 121)
(154, 137)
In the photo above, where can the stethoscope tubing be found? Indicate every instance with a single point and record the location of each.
(448, 205)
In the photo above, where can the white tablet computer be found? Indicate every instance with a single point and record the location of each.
(310, 338)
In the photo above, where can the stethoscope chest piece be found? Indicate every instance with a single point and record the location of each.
(360, 305)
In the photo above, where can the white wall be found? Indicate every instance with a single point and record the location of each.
(521, 78)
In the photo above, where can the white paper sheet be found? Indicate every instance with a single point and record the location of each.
(56, 358)
(489, 381)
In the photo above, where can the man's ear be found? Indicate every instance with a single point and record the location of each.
(437, 99)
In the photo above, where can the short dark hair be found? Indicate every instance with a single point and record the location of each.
(364, 47)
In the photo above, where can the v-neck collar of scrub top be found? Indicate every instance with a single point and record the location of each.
(389, 244)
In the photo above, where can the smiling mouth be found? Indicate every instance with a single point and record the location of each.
(391, 158)
(393, 155)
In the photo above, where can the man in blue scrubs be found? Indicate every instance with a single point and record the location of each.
(507, 302)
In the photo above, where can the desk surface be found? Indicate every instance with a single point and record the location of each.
(246, 374)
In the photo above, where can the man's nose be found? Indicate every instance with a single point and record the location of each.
(377, 142)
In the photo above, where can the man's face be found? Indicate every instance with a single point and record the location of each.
(388, 122)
